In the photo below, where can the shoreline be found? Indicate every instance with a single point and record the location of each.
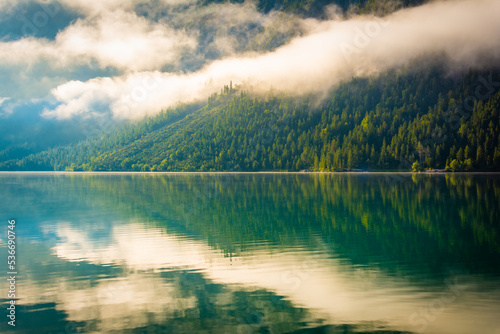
(224, 172)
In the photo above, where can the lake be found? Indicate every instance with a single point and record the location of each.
(252, 253)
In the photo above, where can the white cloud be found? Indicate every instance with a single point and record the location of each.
(125, 41)
(129, 96)
(97, 7)
(120, 39)
(463, 30)
(80, 97)
(5, 110)
(6, 4)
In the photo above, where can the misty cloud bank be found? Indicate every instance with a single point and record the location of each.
(152, 54)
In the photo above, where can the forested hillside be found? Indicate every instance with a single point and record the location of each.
(26, 132)
(401, 120)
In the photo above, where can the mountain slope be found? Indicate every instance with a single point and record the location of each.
(397, 121)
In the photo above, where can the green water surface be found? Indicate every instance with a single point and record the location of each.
(252, 253)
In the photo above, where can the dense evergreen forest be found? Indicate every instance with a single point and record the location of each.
(402, 120)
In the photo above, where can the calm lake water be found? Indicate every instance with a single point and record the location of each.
(253, 253)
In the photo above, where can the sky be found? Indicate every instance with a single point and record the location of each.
(124, 59)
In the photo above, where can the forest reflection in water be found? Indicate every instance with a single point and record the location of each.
(245, 253)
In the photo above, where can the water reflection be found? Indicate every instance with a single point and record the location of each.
(256, 253)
